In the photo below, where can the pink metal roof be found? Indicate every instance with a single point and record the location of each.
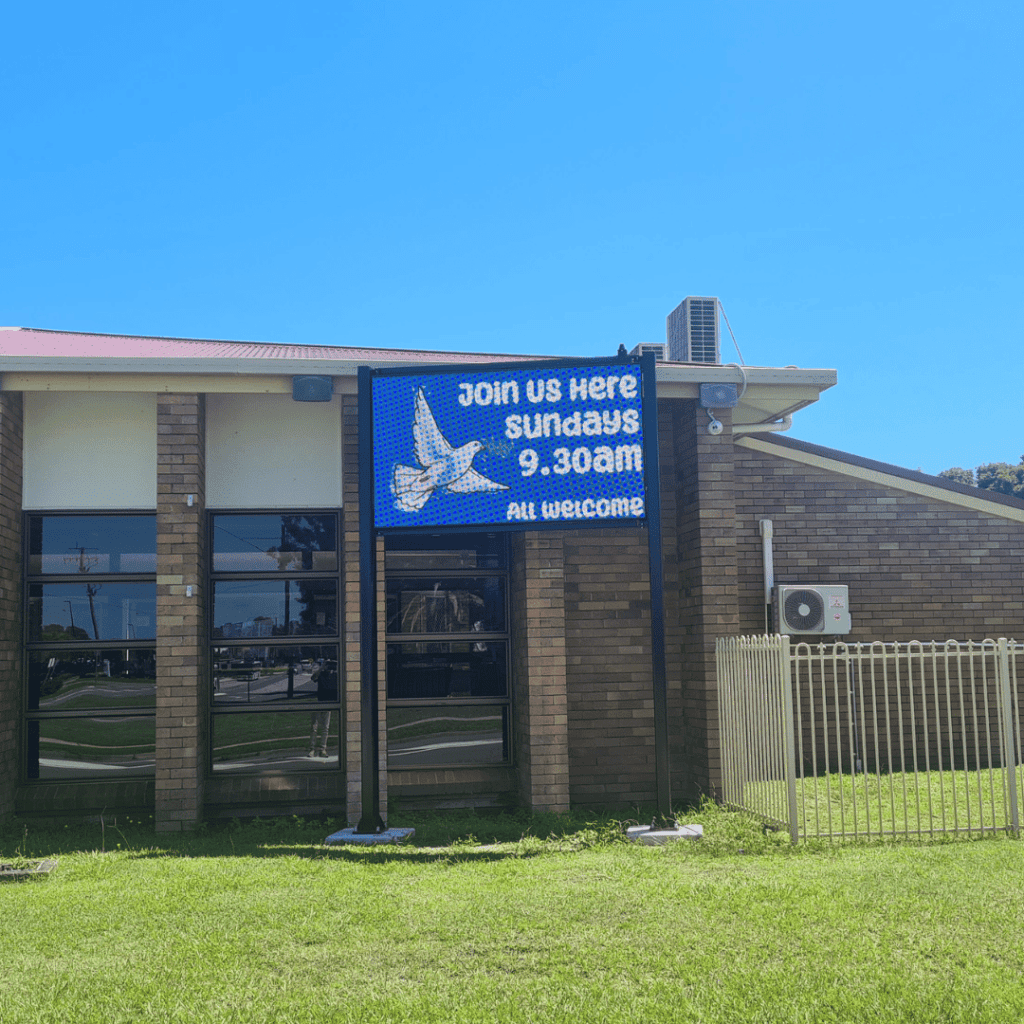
(29, 341)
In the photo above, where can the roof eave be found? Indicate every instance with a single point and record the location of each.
(667, 373)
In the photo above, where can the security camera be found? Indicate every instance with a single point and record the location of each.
(714, 427)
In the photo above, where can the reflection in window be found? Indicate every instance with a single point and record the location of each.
(258, 675)
(74, 545)
(67, 612)
(90, 679)
(274, 608)
(274, 543)
(442, 670)
(75, 680)
(449, 605)
(447, 650)
(475, 551)
(98, 747)
(451, 735)
(274, 582)
(284, 741)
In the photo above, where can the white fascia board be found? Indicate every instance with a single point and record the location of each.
(714, 373)
(227, 367)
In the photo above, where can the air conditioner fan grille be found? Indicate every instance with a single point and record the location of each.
(805, 609)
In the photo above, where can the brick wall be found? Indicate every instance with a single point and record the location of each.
(59, 801)
(699, 470)
(10, 594)
(610, 701)
(351, 739)
(608, 667)
(230, 796)
(917, 568)
(484, 786)
(182, 706)
(539, 646)
(351, 654)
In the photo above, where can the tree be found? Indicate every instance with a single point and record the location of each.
(1000, 477)
(960, 476)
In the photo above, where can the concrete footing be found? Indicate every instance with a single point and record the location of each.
(349, 836)
(659, 837)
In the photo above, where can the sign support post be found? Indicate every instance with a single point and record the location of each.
(652, 489)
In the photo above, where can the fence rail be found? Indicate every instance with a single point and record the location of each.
(857, 740)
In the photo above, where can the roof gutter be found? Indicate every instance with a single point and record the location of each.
(764, 428)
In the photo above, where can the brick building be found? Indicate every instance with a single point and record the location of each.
(180, 589)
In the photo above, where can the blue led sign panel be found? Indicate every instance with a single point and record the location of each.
(506, 446)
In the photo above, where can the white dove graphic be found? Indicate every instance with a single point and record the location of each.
(444, 467)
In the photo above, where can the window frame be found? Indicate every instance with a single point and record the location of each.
(31, 647)
(503, 573)
(335, 639)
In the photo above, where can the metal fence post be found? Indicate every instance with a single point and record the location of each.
(1009, 749)
(789, 737)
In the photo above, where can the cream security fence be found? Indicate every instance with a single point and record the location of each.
(859, 740)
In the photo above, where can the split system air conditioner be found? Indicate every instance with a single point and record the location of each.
(812, 609)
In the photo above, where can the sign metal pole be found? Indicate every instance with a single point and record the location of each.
(652, 504)
(370, 821)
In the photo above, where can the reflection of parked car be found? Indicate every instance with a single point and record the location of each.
(245, 672)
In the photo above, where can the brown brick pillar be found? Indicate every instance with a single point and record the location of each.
(10, 594)
(706, 603)
(350, 583)
(182, 657)
(350, 632)
(541, 715)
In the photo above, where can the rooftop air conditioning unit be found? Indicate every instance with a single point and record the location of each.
(660, 350)
(824, 610)
(692, 329)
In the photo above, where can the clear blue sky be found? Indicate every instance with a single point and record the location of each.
(541, 177)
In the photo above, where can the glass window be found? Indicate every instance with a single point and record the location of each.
(275, 579)
(471, 604)
(71, 545)
(259, 675)
(275, 543)
(273, 608)
(108, 610)
(279, 741)
(69, 747)
(447, 652)
(445, 551)
(449, 735)
(443, 670)
(80, 679)
(90, 680)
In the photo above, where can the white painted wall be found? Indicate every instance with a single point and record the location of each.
(89, 450)
(268, 451)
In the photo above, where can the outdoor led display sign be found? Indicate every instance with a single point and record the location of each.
(514, 446)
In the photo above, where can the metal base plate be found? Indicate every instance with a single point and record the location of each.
(642, 834)
(351, 837)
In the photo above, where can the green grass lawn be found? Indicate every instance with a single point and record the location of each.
(892, 803)
(261, 922)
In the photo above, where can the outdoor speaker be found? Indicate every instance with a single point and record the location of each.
(312, 389)
(718, 396)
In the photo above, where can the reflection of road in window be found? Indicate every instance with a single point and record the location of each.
(447, 651)
(429, 738)
(275, 581)
(90, 615)
(94, 747)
